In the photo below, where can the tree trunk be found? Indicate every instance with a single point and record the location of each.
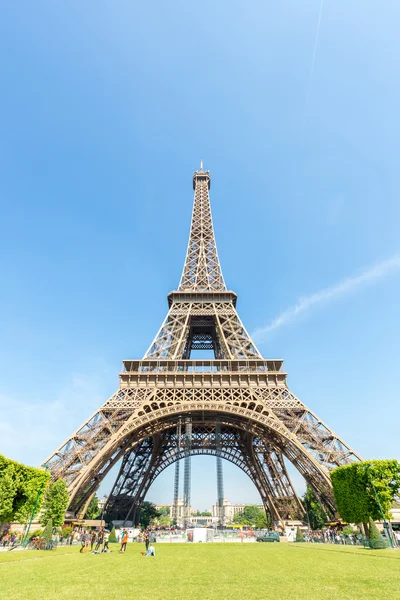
(365, 528)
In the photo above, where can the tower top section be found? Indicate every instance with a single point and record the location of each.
(202, 271)
(201, 175)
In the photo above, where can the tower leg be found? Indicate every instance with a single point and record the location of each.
(187, 473)
(176, 478)
(220, 481)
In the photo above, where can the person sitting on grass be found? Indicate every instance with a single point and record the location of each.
(151, 551)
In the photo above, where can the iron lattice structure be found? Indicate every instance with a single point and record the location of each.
(236, 406)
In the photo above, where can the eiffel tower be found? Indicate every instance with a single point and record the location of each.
(236, 406)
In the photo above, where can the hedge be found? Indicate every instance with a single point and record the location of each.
(366, 489)
(19, 487)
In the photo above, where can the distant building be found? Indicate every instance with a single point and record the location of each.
(181, 508)
(102, 502)
(229, 511)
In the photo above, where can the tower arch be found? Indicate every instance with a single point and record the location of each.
(238, 389)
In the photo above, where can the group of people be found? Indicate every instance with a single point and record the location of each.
(90, 540)
(98, 541)
(9, 540)
(336, 536)
(150, 550)
(332, 536)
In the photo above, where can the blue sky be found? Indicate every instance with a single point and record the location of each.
(105, 111)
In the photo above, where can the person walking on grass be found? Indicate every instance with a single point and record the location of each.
(100, 539)
(83, 542)
(124, 540)
(92, 540)
(106, 536)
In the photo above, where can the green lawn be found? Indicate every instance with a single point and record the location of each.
(204, 571)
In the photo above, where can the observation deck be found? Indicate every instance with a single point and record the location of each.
(204, 296)
(203, 373)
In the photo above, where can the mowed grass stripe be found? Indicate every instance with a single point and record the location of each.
(206, 571)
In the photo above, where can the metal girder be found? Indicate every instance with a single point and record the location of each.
(238, 389)
(202, 270)
(228, 443)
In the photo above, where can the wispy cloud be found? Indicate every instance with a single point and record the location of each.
(30, 431)
(369, 276)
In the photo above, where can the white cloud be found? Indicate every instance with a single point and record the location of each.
(369, 276)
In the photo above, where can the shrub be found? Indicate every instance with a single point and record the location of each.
(20, 490)
(113, 537)
(376, 541)
(66, 531)
(48, 531)
(299, 535)
(36, 533)
(349, 530)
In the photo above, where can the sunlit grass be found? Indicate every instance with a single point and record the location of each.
(203, 571)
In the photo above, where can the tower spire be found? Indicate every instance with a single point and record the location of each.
(202, 270)
(238, 395)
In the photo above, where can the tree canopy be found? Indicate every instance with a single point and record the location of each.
(252, 516)
(164, 521)
(55, 503)
(164, 510)
(148, 512)
(363, 489)
(93, 510)
(19, 490)
(315, 513)
(48, 531)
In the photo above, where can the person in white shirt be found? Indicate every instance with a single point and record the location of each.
(151, 551)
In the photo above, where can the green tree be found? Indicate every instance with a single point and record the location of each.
(148, 512)
(20, 490)
(113, 536)
(36, 533)
(93, 510)
(164, 511)
(55, 503)
(299, 535)
(376, 541)
(8, 488)
(252, 516)
(261, 521)
(48, 531)
(349, 530)
(164, 521)
(363, 489)
(315, 513)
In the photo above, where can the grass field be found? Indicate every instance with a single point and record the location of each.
(223, 571)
